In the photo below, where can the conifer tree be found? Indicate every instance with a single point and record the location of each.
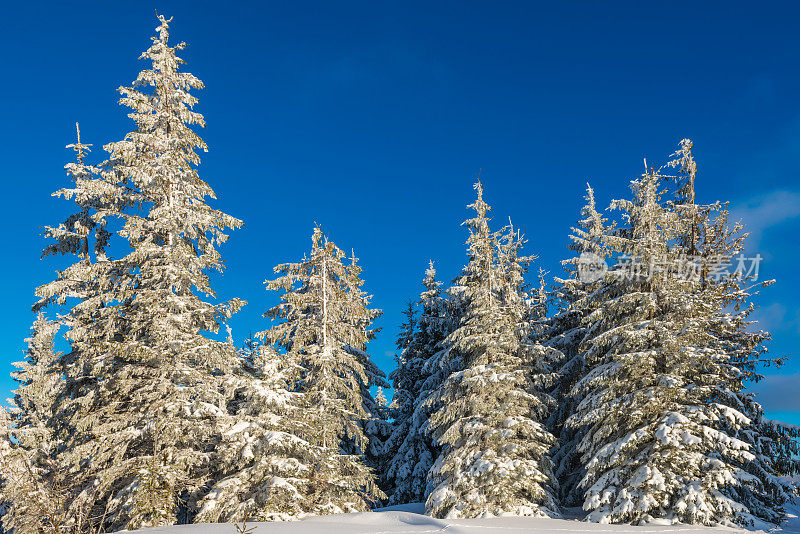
(87, 290)
(410, 449)
(35, 489)
(39, 377)
(575, 297)
(250, 350)
(668, 349)
(495, 447)
(323, 329)
(31, 502)
(146, 391)
(404, 380)
(706, 236)
(91, 287)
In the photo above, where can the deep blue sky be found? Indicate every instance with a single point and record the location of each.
(374, 117)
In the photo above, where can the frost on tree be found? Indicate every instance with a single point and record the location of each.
(667, 432)
(410, 449)
(50, 383)
(495, 447)
(38, 378)
(575, 296)
(33, 489)
(321, 331)
(145, 384)
(91, 286)
(265, 470)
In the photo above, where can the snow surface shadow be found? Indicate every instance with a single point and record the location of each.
(405, 520)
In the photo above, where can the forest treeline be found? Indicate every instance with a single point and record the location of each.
(620, 386)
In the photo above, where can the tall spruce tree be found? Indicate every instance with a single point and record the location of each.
(707, 238)
(575, 297)
(34, 487)
(404, 379)
(85, 292)
(495, 446)
(38, 377)
(146, 391)
(322, 330)
(660, 429)
(410, 449)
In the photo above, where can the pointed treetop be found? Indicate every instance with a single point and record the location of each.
(431, 284)
(79, 148)
(590, 202)
(593, 220)
(431, 270)
(318, 239)
(687, 171)
(479, 205)
(163, 29)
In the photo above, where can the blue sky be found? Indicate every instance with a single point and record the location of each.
(374, 117)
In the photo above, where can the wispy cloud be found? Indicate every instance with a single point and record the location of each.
(776, 317)
(765, 211)
(779, 393)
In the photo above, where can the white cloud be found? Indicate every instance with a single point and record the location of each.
(779, 393)
(770, 318)
(766, 211)
(776, 317)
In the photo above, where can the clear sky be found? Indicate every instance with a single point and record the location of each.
(374, 117)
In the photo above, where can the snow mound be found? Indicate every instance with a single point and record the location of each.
(407, 519)
(386, 519)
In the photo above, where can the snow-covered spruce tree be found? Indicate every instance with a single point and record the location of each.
(148, 395)
(706, 235)
(39, 380)
(405, 377)
(31, 504)
(84, 292)
(381, 400)
(539, 300)
(404, 380)
(495, 457)
(250, 349)
(410, 449)
(91, 288)
(323, 326)
(574, 297)
(35, 489)
(660, 438)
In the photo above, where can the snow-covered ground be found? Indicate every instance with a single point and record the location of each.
(408, 519)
